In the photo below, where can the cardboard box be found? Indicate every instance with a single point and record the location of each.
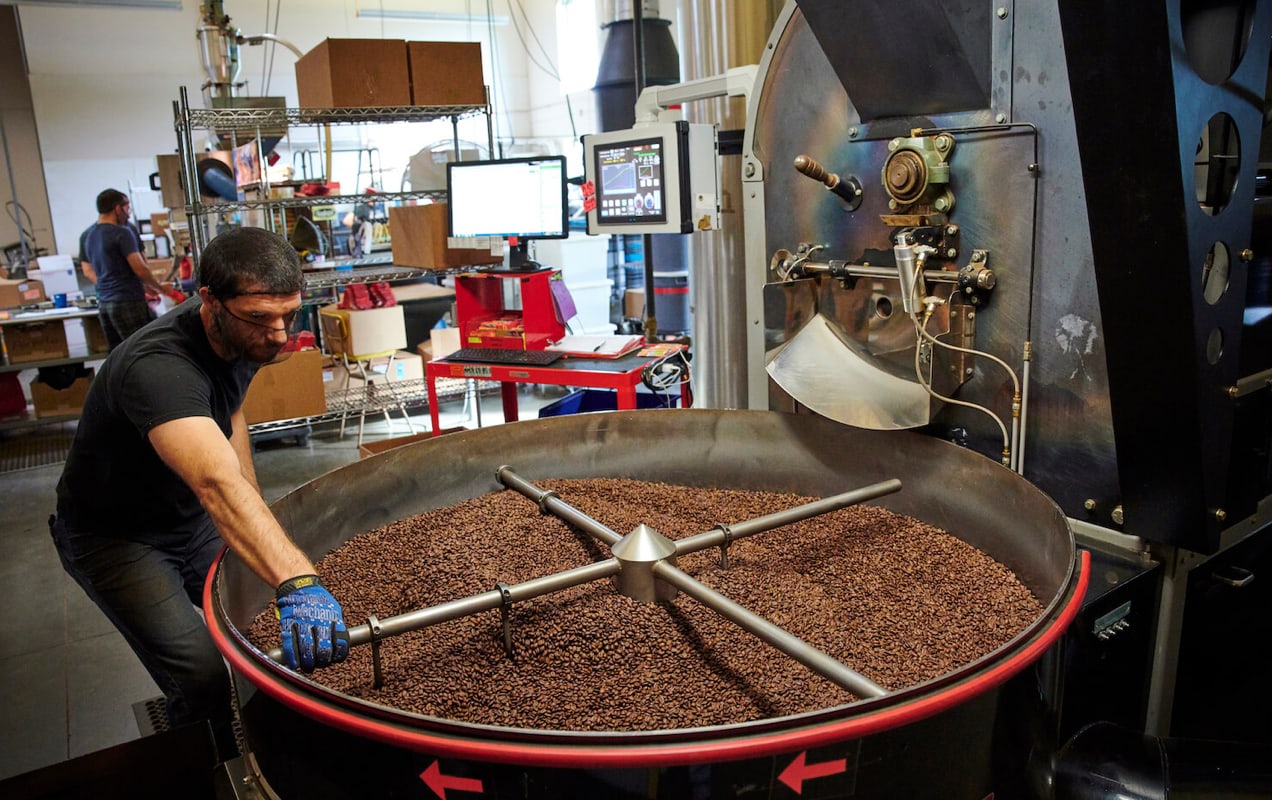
(634, 303)
(446, 73)
(36, 341)
(170, 187)
(161, 268)
(21, 293)
(406, 366)
(94, 337)
(444, 341)
(380, 445)
(50, 402)
(341, 73)
(362, 333)
(419, 239)
(287, 389)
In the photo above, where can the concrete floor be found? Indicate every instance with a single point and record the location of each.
(68, 682)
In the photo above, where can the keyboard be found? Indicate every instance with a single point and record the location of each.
(492, 355)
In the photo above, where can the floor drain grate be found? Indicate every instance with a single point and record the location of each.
(43, 447)
(152, 716)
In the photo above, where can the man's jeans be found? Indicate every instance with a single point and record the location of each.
(151, 595)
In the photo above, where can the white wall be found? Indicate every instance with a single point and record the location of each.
(104, 80)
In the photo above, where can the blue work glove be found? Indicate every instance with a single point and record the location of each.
(313, 627)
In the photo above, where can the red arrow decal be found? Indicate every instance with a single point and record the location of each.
(440, 783)
(797, 772)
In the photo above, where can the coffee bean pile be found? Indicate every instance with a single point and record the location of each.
(892, 597)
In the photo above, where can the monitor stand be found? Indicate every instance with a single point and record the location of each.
(519, 260)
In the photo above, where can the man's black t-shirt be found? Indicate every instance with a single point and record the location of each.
(113, 482)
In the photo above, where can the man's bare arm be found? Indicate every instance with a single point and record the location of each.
(88, 271)
(196, 450)
(242, 443)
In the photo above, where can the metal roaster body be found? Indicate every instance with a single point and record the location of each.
(952, 735)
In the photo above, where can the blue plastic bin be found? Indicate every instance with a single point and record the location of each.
(582, 401)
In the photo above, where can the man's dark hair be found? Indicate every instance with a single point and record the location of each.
(109, 200)
(243, 258)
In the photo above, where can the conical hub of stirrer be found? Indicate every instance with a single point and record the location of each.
(638, 552)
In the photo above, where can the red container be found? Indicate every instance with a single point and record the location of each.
(522, 316)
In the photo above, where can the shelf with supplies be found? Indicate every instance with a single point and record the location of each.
(313, 201)
(373, 398)
(38, 340)
(239, 126)
(248, 120)
(76, 357)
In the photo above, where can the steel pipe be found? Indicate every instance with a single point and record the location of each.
(719, 537)
(792, 646)
(548, 502)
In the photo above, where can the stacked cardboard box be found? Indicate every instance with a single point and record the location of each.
(446, 73)
(15, 293)
(36, 341)
(420, 239)
(362, 332)
(350, 73)
(65, 402)
(344, 73)
(287, 389)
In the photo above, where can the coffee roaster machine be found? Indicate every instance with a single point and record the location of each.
(1017, 232)
(1039, 230)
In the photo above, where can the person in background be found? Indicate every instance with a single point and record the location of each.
(110, 255)
(159, 478)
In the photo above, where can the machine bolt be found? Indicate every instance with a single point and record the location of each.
(951, 253)
(894, 144)
(978, 257)
(1247, 254)
(1233, 392)
(968, 290)
(1117, 515)
(1089, 505)
(941, 204)
(852, 132)
(1220, 515)
(1000, 118)
(950, 230)
(971, 315)
(750, 170)
(969, 372)
(1002, 12)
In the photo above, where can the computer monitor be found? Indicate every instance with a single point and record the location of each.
(654, 178)
(514, 198)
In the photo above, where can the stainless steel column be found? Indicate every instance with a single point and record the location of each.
(717, 35)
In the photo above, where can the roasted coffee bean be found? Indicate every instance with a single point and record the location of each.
(888, 595)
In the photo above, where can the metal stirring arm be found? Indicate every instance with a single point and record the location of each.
(664, 569)
(475, 604)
